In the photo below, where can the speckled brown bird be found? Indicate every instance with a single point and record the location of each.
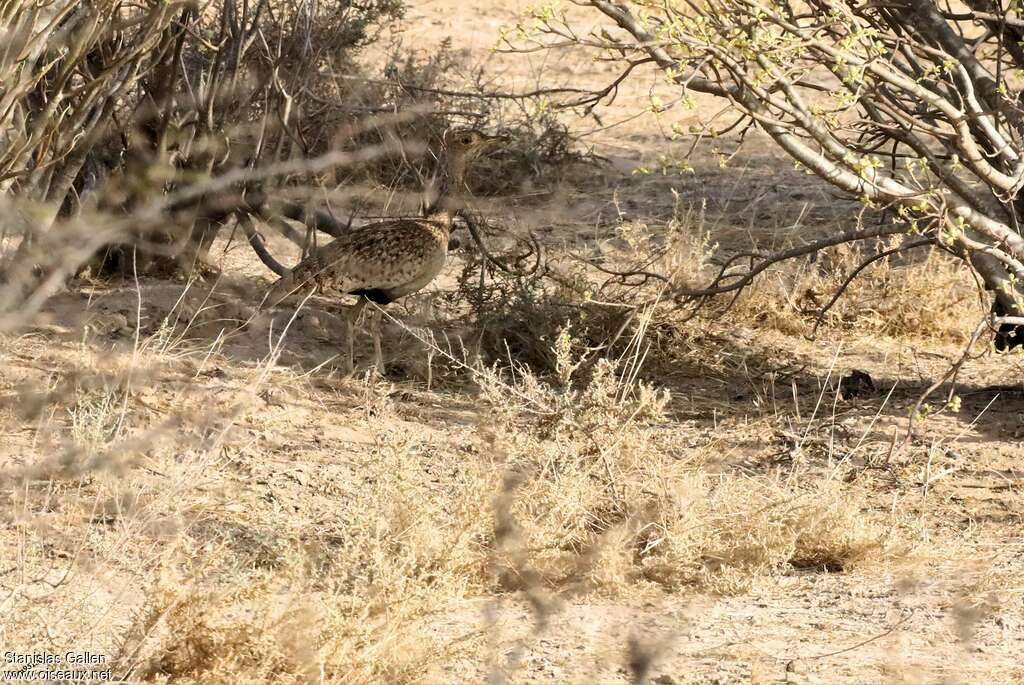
(390, 259)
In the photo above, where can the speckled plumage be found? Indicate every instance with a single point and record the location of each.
(395, 257)
(389, 259)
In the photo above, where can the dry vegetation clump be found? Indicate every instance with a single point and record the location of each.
(740, 532)
(919, 297)
(521, 318)
(219, 585)
(604, 501)
(914, 295)
(344, 602)
(540, 154)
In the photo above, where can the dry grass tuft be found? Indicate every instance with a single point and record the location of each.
(604, 502)
(345, 602)
(740, 532)
(919, 297)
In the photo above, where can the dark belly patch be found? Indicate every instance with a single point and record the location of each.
(374, 295)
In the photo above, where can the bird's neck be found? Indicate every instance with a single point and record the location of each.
(448, 191)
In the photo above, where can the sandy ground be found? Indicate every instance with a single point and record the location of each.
(902, 620)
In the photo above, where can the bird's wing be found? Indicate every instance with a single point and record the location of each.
(382, 256)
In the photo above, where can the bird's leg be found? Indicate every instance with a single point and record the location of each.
(351, 316)
(375, 328)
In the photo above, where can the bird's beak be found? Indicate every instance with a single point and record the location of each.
(493, 141)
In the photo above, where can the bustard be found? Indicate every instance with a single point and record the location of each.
(385, 261)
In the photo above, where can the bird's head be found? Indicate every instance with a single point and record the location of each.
(461, 146)
(468, 143)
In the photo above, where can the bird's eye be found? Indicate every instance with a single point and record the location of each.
(466, 140)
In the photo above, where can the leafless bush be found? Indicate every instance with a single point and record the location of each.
(538, 146)
(519, 318)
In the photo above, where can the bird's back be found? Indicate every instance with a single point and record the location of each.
(393, 258)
